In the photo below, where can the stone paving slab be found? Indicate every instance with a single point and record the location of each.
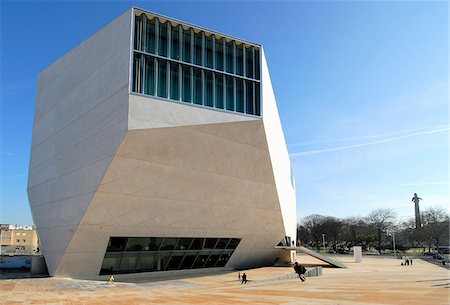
(377, 280)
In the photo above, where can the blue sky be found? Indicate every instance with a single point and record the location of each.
(361, 87)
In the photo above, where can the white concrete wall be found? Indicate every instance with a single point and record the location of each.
(80, 119)
(211, 180)
(278, 153)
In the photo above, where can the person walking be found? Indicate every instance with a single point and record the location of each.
(244, 278)
(300, 270)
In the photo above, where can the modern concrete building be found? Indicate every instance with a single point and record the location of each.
(157, 146)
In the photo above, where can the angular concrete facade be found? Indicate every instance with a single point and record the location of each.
(106, 162)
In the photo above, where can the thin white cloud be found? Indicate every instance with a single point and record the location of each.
(391, 139)
(7, 153)
(424, 183)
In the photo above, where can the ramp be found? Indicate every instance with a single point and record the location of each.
(315, 254)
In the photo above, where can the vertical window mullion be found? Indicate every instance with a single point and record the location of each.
(203, 50)
(167, 79)
(155, 61)
(180, 79)
(192, 46)
(245, 95)
(169, 39)
(244, 62)
(214, 89)
(254, 99)
(214, 51)
(156, 37)
(192, 84)
(144, 34)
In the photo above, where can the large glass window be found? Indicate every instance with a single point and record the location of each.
(198, 48)
(187, 84)
(239, 95)
(174, 81)
(240, 59)
(249, 62)
(137, 33)
(219, 54)
(137, 74)
(162, 78)
(162, 44)
(200, 67)
(138, 254)
(209, 92)
(149, 80)
(150, 36)
(230, 56)
(198, 96)
(187, 45)
(230, 93)
(219, 90)
(175, 42)
(257, 100)
(209, 42)
(249, 96)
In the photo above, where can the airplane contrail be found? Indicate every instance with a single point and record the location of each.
(331, 149)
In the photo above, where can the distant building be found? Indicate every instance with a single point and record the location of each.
(157, 147)
(16, 239)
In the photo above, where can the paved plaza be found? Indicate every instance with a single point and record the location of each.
(377, 280)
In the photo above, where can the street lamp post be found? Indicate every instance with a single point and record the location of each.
(393, 241)
(323, 242)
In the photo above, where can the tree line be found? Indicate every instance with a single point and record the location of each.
(378, 230)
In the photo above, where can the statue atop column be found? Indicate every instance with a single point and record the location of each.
(416, 200)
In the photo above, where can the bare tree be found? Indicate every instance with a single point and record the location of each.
(436, 225)
(314, 225)
(381, 220)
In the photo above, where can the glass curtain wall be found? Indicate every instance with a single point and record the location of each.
(180, 63)
(148, 254)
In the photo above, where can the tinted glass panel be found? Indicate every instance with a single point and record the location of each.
(129, 261)
(249, 96)
(145, 261)
(257, 69)
(257, 100)
(153, 244)
(210, 243)
(198, 96)
(175, 42)
(234, 242)
(162, 78)
(187, 45)
(111, 263)
(230, 57)
(209, 51)
(117, 244)
(240, 59)
(174, 81)
(162, 44)
(169, 243)
(137, 74)
(149, 80)
(219, 54)
(222, 243)
(137, 32)
(136, 243)
(175, 261)
(219, 91)
(198, 49)
(197, 244)
(188, 260)
(249, 62)
(223, 260)
(200, 261)
(183, 244)
(161, 261)
(239, 95)
(209, 98)
(150, 36)
(187, 84)
(230, 93)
